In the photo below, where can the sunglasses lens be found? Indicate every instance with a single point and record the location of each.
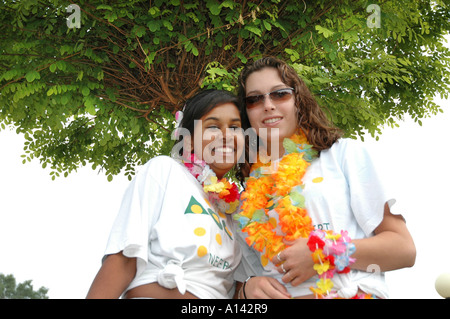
(276, 96)
(252, 101)
(281, 95)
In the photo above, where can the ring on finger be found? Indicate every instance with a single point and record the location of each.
(279, 256)
(282, 267)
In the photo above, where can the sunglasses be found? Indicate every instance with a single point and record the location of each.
(281, 95)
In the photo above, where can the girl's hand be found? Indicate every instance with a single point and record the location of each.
(296, 262)
(265, 288)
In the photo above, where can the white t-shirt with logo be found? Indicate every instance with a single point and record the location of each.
(343, 191)
(167, 223)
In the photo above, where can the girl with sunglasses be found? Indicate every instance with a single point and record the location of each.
(315, 216)
(173, 236)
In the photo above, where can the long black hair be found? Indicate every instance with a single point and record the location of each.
(202, 103)
(198, 106)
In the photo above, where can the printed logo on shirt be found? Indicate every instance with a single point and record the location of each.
(323, 226)
(218, 262)
(194, 207)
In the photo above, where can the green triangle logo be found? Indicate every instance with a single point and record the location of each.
(194, 207)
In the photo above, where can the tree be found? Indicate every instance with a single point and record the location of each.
(10, 290)
(102, 86)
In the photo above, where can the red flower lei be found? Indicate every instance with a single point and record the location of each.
(221, 194)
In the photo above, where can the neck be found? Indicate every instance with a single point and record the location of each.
(219, 173)
(275, 150)
(219, 176)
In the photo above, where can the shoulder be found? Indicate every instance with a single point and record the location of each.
(160, 168)
(161, 161)
(347, 144)
(345, 147)
(347, 153)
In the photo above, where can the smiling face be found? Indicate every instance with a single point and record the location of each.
(273, 120)
(219, 139)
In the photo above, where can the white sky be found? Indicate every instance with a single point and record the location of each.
(416, 160)
(54, 232)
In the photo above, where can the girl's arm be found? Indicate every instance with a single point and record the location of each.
(114, 276)
(391, 248)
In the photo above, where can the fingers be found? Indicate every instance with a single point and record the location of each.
(266, 288)
(290, 276)
(295, 262)
(279, 291)
(297, 281)
(282, 268)
(293, 278)
(294, 272)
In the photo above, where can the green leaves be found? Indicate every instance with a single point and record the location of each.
(289, 146)
(297, 199)
(10, 289)
(326, 33)
(104, 94)
(85, 91)
(214, 7)
(32, 75)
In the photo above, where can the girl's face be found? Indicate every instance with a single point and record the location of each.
(273, 120)
(218, 138)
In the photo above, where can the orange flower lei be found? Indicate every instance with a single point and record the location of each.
(280, 189)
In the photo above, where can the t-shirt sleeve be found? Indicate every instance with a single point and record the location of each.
(250, 264)
(139, 210)
(368, 190)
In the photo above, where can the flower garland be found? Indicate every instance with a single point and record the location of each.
(331, 254)
(280, 189)
(221, 194)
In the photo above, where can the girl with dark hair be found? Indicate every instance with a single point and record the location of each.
(317, 216)
(173, 236)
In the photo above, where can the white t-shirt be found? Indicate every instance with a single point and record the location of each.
(165, 221)
(343, 191)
